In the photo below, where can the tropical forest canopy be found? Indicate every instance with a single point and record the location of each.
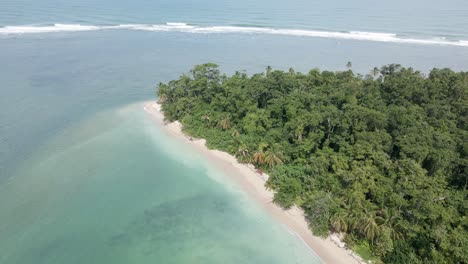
(381, 158)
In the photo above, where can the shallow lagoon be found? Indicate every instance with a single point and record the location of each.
(86, 177)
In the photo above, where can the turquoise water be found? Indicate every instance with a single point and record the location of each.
(415, 18)
(114, 189)
(85, 177)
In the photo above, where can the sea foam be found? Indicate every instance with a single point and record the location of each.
(11, 30)
(183, 27)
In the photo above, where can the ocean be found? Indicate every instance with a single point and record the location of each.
(85, 177)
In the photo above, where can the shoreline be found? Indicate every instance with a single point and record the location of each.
(329, 250)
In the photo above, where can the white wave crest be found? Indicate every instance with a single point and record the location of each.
(183, 27)
(11, 30)
(177, 24)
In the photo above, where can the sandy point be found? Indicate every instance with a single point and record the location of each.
(329, 250)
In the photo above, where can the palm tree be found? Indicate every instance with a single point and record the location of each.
(206, 118)
(162, 98)
(393, 221)
(370, 228)
(272, 158)
(368, 225)
(352, 216)
(224, 123)
(242, 153)
(299, 132)
(259, 155)
(339, 222)
(268, 70)
(235, 133)
(375, 71)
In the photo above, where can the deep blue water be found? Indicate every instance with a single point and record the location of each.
(84, 175)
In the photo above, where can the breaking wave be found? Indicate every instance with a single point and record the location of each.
(183, 27)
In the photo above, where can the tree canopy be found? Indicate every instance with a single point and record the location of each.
(381, 157)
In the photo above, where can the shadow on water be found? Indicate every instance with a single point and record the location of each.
(182, 225)
(196, 229)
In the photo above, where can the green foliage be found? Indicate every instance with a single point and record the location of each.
(382, 158)
(384, 243)
(363, 249)
(402, 253)
(319, 207)
(288, 192)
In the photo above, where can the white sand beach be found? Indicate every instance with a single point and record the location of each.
(330, 250)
